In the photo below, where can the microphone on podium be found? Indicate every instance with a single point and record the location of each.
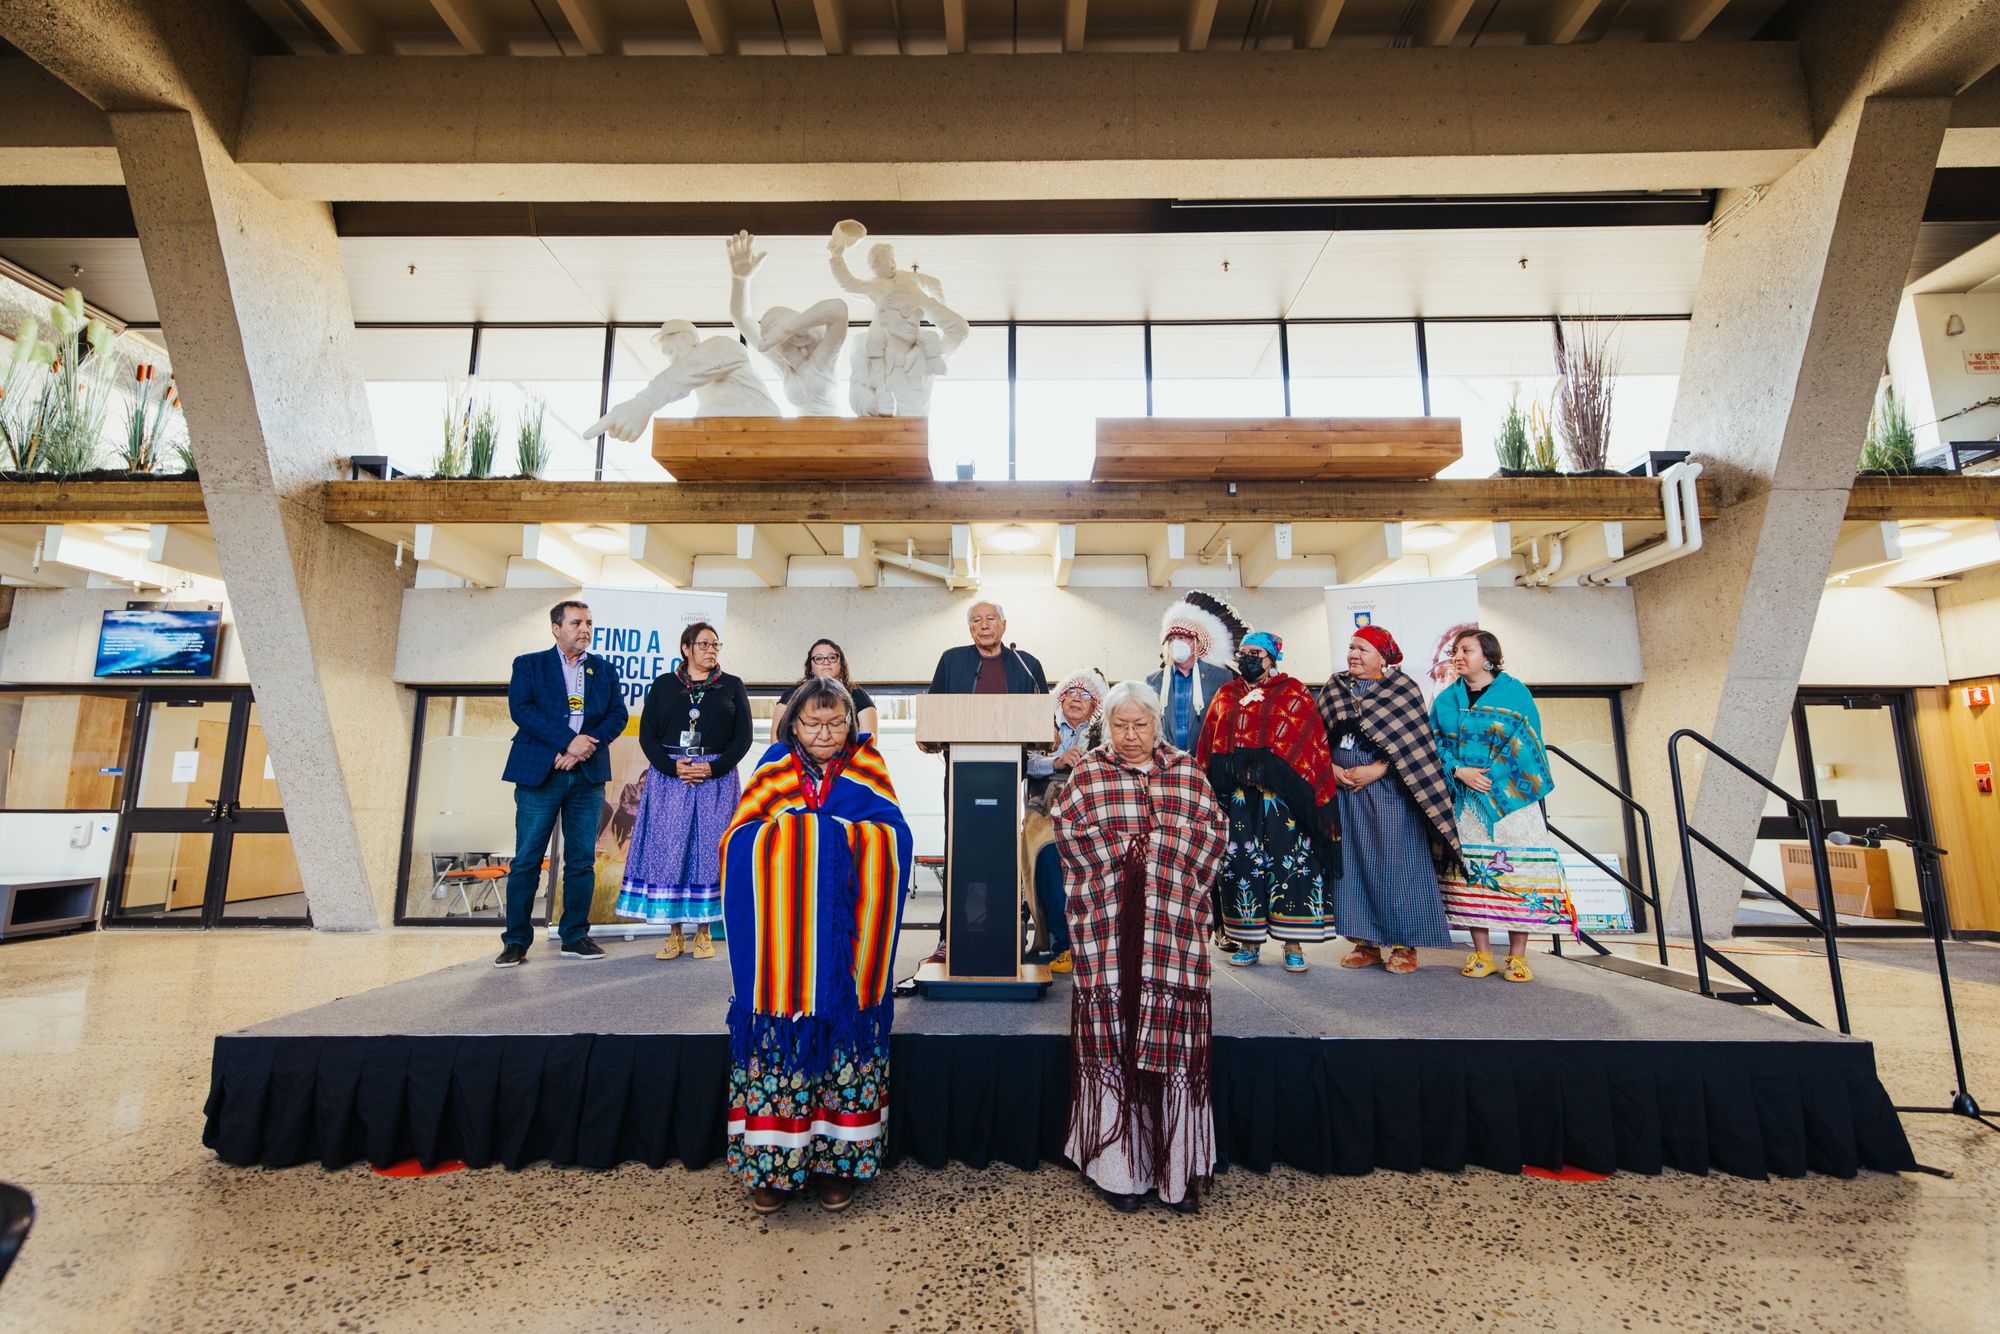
(1840, 839)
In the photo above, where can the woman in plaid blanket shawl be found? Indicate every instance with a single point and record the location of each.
(1397, 830)
(1141, 837)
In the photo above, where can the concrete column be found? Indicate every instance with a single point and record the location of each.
(1791, 325)
(254, 304)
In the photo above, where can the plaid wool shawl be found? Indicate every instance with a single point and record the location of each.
(1391, 716)
(812, 892)
(1139, 852)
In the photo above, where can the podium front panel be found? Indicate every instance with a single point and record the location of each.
(983, 939)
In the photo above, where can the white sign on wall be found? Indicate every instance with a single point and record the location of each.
(1422, 614)
(1602, 904)
(1982, 363)
(639, 631)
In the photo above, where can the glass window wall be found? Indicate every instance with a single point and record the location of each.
(564, 369)
(409, 374)
(1217, 370)
(1066, 378)
(1355, 370)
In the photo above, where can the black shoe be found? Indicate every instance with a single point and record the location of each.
(583, 949)
(1189, 1203)
(1124, 1204)
(512, 957)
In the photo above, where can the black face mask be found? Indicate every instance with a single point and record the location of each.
(1251, 665)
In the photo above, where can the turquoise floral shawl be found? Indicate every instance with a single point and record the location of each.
(1502, 734)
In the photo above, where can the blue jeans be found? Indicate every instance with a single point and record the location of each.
(579, 804)
(1049, 894)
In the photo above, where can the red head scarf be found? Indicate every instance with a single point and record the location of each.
(1383, 642)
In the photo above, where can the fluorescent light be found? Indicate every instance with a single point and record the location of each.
(599, 538)
(1011, 538)
(133, 539)
(1428, 536)
(1922, 537)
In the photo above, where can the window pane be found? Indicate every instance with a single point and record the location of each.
(1217, 370)
(462, 823)
(65, 752)
(1477, 369)
(1355, 370)
(1068, 378)
(1647, 355)
(565, 368)
(185, 745)
(408, 374)
(969, 407)
(166, 874)
(263, 880)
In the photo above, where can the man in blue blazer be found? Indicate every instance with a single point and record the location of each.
(567, 706)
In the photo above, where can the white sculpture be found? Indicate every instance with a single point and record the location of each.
(804, 346)
(715, 370)
(899, 357)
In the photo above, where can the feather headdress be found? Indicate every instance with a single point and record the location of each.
(1211, 637)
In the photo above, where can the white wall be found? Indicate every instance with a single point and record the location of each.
(1929, 366)
(1875, 637)
(1567, 636)
(1969, 621)
(53, 638)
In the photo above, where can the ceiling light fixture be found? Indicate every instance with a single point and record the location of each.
(599, 538)
(1428, 536)
(1011, 538)
(135, 539)
(1921, 537)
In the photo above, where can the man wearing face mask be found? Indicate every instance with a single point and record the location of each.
(1264, 750)
(1195, 651)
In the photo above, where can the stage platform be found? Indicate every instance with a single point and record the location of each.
(1339, 1071)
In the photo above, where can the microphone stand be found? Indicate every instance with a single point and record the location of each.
(1930, 874)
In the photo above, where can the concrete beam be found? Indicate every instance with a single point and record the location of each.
(83, 552)
(1490, 546)
(1684, 20)
(835, 30)
(1168, 553)
(1968, 551)
(1857, 49)
(49, 133)
(1369, 556)
(961, 553)
(547, 551)
(353, 29)
(1864, 545)
(654, 548)
(1316, 20)
(591, 25)
(455, 550)
(1091, 125)
(190, 549)
(1972, 139)
(1588, 549)
(1561, 20)
(1198, 24)
(1440, 22)
(711, 20)
(954, 26)
(1074, 15)
(1063, 553)
(1267, 553)
(475, 29)
(859, 553)
(756, 550)
(20, 560)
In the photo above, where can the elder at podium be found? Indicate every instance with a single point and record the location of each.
(986, 666)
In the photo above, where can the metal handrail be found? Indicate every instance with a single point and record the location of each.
(1651, 900)
(1827, 920)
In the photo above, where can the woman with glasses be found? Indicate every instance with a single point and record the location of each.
(826, 658)
(815, 867)
(695, 730)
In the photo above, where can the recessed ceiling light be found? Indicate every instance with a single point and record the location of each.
(1921, 536)
(599, 538)
(1011, 538)
(137, 539)
(1428, 536)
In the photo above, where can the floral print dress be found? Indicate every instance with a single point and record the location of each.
(1273, 884)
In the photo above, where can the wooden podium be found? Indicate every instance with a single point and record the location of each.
(983, 880)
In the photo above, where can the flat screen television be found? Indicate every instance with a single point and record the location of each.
(158, 642)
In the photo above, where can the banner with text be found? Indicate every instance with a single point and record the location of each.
(1423, 614)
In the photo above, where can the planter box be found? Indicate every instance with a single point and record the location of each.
(794, 449)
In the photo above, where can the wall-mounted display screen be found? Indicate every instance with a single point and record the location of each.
(155, 642)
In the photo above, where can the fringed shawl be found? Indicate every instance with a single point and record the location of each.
(812, 898)
(1501, 734)
(1391, 717)
(1139, 852)
(1270, 735)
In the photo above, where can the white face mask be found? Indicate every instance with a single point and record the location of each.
(1180, 651)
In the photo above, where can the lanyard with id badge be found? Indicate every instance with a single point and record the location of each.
(690, 737)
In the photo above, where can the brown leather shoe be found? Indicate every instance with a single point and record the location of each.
(1361, 956)
(769, 1199)
(835, 1193)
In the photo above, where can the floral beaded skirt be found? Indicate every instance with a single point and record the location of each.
(784, 1125)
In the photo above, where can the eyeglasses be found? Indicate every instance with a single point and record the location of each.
(822, 729)
(706, 643)
(825, 659)
(1133, 728)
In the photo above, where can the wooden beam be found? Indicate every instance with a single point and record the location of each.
(456, 551)
(1196, 26)
(1440, 22)
(352, 28)
(1684, 20)
(1265, 556)
(591, 25)
(1316, 22)
(1168, 553)
(653, 548)
(1073, 22)
(1875, 498)
(711, 20)
(834, 33)
(1560, 21)
(859, 553)
(954, 26)
(1064, 553)
(102, 502)
(1371, 555)
(757, 551)
(1524, 499)
(1863, 545)
(190, 549)
(476, 31)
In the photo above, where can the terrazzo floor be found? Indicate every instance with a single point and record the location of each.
(104, 1045)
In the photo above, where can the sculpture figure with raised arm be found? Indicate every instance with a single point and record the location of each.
(804, 345)
(900, 356)
(715, 370)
